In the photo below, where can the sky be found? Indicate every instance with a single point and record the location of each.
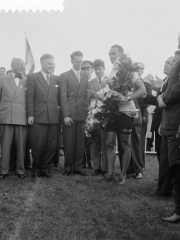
(146, 29)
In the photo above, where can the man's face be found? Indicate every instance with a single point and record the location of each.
(140, 72)
(88, 71)
(19, 67)
(77, 62)
(99, 71)
(48, 65)
(2, 72)
(168, 66)
(114, 54)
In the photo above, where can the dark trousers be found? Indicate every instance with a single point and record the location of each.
(87, 152)
(170, 165)
(19, 133)
(74, 144)
(59, 143)
(136, 163)
(158, 144)
(143, 140)
(43, 140)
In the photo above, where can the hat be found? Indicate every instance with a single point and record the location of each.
(138, 65)
(86, 64)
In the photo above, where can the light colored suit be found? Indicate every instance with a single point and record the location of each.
(74, 103)
(13, 120)
(98, 148)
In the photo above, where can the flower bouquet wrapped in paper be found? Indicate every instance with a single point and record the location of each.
(110, 97)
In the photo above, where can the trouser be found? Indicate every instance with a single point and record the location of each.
(59, 143)
(170, 161)
(87, 152)
(99, 152)
(136, 163)
(19, 133)
(143, 140)
(74, 144)
(43, 140)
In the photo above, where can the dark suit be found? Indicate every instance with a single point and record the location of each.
(170, 154)
(13, 121)
(73, 101)
(42, 104)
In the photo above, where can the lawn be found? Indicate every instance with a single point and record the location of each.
(82, 208)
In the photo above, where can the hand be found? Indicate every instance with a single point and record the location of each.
(91, 93)
(157, 83)
(160, 101)
(30, 120)
(68, 121)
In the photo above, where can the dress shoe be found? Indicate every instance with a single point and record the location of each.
(21, 175)
(175, 218)
(103, 173)
(121, 181)
(138, 176)
(55, 165)
(3, 176)
(79, 173)
(90, 165)
(35, 175)
(107, 178)
(158, 193)
(97, 172)
(46, 174)
(66, 173)
(28, 167)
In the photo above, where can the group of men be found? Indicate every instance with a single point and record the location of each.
(33, 107)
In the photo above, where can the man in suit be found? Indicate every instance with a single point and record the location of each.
(170, 151)
(43, 115)
(74, 105)
(99, 143)
(13, 117)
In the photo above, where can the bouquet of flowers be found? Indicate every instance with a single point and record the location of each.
(109, 98)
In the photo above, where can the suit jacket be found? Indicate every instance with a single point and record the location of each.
(171, 97)
(95, 86)
(13, 101)
(73, 95)
(42, 100)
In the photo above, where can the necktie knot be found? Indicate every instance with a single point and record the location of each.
(18, 76)
(99, 79)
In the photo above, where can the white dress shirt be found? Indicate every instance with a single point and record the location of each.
(77, 73)
(16, 80)
(45, 75)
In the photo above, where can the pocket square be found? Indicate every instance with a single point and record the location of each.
(56, 85)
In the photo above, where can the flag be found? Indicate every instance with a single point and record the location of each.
(30, 64)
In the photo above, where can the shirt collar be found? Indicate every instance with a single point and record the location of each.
(44, 74)
(102, 78)
(75, 71)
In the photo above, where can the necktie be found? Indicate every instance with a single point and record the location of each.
(48, 79)
(99, 79)
(78, 76)
(18, 76)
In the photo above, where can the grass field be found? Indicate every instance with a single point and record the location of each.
(80, 208)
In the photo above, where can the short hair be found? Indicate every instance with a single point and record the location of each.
(177, 52)
(46, 56)
(120, 49)
(15, 60)
(77, 53)
(98, 63)
(8, 71)
(2, 68)
(138, 65)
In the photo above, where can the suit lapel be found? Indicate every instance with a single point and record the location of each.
(12, 83)
(83, 82)
(43, 81)
(74, 79)
(20, 87)
(96, 85)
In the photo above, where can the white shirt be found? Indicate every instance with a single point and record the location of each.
(16, 80)
(77, 73)
(102, 78)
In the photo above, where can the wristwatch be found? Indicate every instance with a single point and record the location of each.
(128, 98)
